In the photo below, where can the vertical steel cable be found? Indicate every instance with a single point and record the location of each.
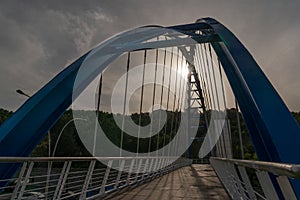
(97, 114)
(141, 103)
(205, 76)
(225, 103)
(153, 99)
(203, 85)
(214, 77)
(202, 82)
(210, 73)
(125, 99)
(221, 139)
(99, 95)
(174, 101)
(179, 104)
(184, 135)
(209, 77)
(239, 129)
(161, 98)
(168, 98)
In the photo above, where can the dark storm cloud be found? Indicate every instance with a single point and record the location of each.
(39, 38)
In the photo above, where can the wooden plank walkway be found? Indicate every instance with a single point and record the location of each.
(193, 182)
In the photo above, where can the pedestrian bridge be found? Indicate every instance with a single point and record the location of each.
(167, 91)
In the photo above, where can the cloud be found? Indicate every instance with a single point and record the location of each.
(39, 38)
(38, 41)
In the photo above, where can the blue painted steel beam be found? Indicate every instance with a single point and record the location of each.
(268, 119)
(188, 27)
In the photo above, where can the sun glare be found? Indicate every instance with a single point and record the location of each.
(184, 71)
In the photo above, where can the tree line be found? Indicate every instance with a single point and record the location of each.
(70, 144)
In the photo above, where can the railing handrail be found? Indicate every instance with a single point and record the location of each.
(87, 181)
(282, 169)
(46, 159)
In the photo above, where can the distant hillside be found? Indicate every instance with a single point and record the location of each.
(71, 145)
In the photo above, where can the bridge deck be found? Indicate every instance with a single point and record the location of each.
(192, 182)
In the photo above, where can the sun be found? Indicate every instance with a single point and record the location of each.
(184, 71)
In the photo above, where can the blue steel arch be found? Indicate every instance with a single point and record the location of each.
(273, 130)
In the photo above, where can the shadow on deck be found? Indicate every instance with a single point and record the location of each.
(192, 182)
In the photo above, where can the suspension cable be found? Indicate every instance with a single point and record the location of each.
(209, 77)
(161, 98)
(208, 80)
(168, 98)
(97, 114)
(200, 70)
(205, 76)
(216, 97)
(153, 99)
(225, 106)
(239, 129)
(124, 105)
(141, 102)
(179, 103)
(174, 101)
(203, 85)
(184, 134)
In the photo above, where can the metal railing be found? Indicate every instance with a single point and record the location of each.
(80, 177)
(249, 179)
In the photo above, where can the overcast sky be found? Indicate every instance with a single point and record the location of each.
(40, 38)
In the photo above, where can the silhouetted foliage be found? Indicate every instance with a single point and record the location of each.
(4, 114)
(70, 144)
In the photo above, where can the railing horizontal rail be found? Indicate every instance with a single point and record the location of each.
(290, 170)
(270, 181)
(62, 159)
(80, 177)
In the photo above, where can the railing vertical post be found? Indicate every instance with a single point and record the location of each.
(165, 164)
(247, 182)
(62, 179)
(225, 173)
(239, 186)
(26, 180)
(109, 164)
(267, 185)
(154, 167)
(161, 166)
(286, 188)
(158, 171)
(130, 171)
(237, 181)
(119, 173)
(150, 167)
(48, 178)
(227, 179)
(16, 189)
(138, 170)
(87, 179)
(145, 168)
